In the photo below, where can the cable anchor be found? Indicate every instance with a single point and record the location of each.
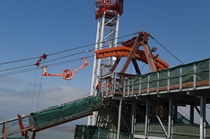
(44, 56)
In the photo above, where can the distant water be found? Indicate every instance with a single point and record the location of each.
(55, 134)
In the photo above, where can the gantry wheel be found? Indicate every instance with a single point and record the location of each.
(67, 74)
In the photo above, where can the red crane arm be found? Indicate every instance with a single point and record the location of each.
(130, 49)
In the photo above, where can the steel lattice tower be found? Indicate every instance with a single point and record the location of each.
(107, 15)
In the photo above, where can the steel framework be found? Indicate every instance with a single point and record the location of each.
(107, 15)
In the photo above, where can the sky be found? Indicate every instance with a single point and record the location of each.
(29, 29)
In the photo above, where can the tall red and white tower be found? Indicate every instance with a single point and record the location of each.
(107, 15)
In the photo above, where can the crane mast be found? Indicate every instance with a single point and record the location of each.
(107, 16)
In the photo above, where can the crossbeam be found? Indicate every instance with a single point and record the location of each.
(123, 51)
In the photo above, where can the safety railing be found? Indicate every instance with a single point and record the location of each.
(192, 76)
(11, 127)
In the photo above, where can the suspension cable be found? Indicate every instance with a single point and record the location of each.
(26, 70)
(19, 67)
(32, 105)
(167, 50)
(64, 62)
(17, 72)
(83, 46)
(40, 86)
(20, 60)
(32, 69)
(89, 50)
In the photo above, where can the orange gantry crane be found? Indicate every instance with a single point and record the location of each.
(130, 50)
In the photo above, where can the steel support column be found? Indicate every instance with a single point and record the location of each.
(115, 35)
(147, 117)
(175, 113)
(170, 118)
(133, 117)
(4, 130)
(119, 119)
(202, 117)
(192, 114)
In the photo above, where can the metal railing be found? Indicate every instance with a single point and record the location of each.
(193, 76)
(11, 126)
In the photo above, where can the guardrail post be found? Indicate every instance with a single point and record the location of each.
(168, 81)
(194, 76)
(158, 82)
(4, 130)
(180, 79)
(148, 84)
(133, 82)
(140, 80)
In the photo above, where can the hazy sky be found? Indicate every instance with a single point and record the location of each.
(29, 29)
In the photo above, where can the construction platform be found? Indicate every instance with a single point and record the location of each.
(157, 96)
